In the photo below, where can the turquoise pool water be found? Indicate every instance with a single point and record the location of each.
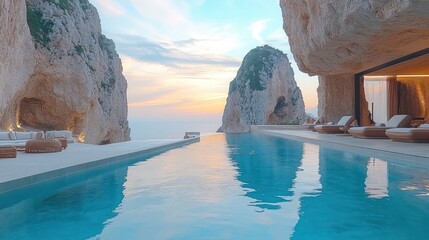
(238, 186)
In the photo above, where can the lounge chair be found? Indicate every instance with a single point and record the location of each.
(310, 124)
(396, 121)
(414, 135)
(344, 123)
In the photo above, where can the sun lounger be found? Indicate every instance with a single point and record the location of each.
(414, 135)
(310, 124)
(344, 122)
(380, 131)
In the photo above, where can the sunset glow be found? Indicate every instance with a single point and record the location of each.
(180, 56)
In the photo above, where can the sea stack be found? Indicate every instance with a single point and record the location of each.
(263, 92)
(60, 72)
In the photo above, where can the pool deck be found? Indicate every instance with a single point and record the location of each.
(31, 168)
(376, 147)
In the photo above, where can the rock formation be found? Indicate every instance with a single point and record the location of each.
(63, 73)
(337, 39)
(263, 92)
(17, 57)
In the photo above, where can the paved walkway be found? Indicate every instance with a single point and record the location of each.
(412, 151)
(31, 168)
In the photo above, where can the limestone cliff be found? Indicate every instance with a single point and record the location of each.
(263, 92)
(75, 76)
(17, 57)
(337, 39)
(341, 37)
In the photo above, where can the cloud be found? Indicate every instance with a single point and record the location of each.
(257, 28)
(178, 63)
(191, 51)
(278, 38)
(170, 16)
(111, 7)
(186, 89)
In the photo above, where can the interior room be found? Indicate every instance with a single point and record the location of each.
(402, 88)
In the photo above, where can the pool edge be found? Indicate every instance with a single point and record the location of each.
(18, 183)
(349, 146)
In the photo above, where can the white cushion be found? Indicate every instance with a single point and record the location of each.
(59, 134)
(23, 135)
(12, 135)
(4, 136)
(49, 134)
(396, 121)
(345, 120)
(62, 134)
(426, 125)
(68, 134)
(34, 135)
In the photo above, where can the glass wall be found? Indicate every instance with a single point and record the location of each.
(402, 94)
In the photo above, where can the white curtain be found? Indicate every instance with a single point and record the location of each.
(376, 95)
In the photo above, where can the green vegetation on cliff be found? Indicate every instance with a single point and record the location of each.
(63, 4)
(40, 28)
(102, 41)
(84, 4)
(257, 64)
(79, 49)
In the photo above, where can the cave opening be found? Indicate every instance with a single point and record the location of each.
(39, 114)
(400, 87)
(29, 111)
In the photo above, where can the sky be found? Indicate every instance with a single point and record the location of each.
(179, 56)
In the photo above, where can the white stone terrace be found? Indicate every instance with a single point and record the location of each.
(418, 152)
(31, 168)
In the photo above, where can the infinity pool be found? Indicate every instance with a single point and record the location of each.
(238, 186)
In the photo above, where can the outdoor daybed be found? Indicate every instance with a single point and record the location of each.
(19, 139)
(16, 139)
(60, 134)
(396, 121)
(415, 135)
(343, 123)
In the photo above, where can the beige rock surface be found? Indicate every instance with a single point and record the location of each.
(336, 97)
(337, 39)
(263, 92)
(77, 80)
(16, 58)
(343, 37)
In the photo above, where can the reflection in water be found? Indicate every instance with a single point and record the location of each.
(307, 181)
(266, 166)
(245, 186)
(71, 205)
(376, 181)
(346, 209)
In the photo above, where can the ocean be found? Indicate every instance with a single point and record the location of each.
(169, 130)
